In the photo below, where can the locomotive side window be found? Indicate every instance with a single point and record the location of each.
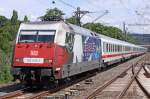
(69, 41)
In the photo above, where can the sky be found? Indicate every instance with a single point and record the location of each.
(128, 11)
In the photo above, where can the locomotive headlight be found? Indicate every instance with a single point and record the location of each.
(19, 60)
(47, 61)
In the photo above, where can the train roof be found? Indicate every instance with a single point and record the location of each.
(75, 29)
(84, 31)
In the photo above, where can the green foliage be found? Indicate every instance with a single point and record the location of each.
(26, 19)
(4, 67)
(14, 18)
(53, 15)
(108, 31)
(4, 42)
(8, 30)
(72, 20)
(3, 21)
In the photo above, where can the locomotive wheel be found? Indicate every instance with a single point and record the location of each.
(28, 82)
(49, 82)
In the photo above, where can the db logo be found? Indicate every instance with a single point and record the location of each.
(34, 53)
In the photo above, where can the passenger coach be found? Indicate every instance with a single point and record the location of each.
(114, 50)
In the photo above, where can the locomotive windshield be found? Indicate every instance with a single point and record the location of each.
(37, 36)
(46, 36)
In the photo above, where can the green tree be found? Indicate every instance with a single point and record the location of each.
(26, 19)
(14, 17)
(8, 30)
(53, 15)
(108, 31)
(72, 20)
(3, 21)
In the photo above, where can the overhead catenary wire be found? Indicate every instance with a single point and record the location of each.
(104, 13)
(139, 14)
(67, 4)
(147, 5)
(124, 6)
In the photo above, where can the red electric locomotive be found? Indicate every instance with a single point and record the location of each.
(52, 51)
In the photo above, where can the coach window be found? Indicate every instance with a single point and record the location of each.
(123, 48)
(104, 47)
(109, 47)
(120, 48)
(115, 48)
(112, 47)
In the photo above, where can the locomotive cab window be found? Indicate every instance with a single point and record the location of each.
(27, 36)
(36, 36)
(46, 36)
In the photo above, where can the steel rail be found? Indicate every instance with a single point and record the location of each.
(44, 93)
(9, 84)
(122, 93)
(13, 94)
(146, 92)
(101, 88)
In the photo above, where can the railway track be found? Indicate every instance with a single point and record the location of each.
(48, 92)
(37, 95)
(143, 88)
(43, 93)
(13, 94)
(98, 93)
